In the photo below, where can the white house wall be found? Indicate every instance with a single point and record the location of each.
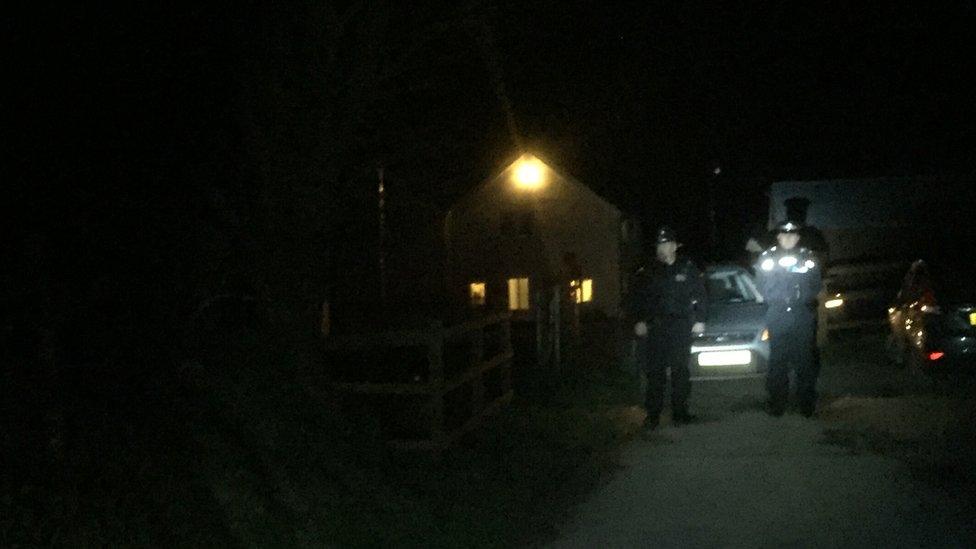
(578, 220)
(568, 216)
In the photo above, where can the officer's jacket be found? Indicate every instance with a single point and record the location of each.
(789, 281)
(674, 291)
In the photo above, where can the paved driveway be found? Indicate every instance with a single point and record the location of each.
(744, 479)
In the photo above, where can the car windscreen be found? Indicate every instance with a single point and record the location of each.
(728, 287)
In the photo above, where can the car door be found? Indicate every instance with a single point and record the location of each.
(899, 315)
(914, 308)
(924, 307)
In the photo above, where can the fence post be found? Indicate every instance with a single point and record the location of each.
(540, 345)
(435, 360)
(506, 329)
(555, 325)
(477, 358)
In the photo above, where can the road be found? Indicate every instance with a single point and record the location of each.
(873, 469)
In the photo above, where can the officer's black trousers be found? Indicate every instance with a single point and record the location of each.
(796, 347)
(667, 349)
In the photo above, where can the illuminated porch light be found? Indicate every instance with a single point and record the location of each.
(529, 173)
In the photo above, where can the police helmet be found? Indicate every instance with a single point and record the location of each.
(788, 227)
(664, 234)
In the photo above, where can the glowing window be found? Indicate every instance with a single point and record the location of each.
(477, 292)
(582, 292)
(518, 294)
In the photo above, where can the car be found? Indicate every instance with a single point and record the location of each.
(735, 342)
(856, 294)
(932, 320)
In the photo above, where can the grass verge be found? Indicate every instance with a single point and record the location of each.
(240, 451)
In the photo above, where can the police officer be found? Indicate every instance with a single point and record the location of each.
(811, 238)
(788, 278)
(667, 305)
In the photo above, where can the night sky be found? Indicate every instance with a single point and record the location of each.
(654, 97)
(141, 128)
(627, 93)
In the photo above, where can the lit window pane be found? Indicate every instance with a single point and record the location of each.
(581, 292)
(518, 293)
(512, 294)
(477, 292)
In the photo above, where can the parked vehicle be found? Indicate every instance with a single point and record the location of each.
(735, 342)
(857, 293)
(933, 319)
(869, 230)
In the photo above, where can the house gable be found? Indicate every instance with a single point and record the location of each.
(507, 228)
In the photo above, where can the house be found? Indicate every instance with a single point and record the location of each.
(532, 228)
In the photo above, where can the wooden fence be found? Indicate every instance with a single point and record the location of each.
(426, 386)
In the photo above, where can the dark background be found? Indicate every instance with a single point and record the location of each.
(164, 159)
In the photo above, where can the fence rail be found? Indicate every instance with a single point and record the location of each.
(428, 386)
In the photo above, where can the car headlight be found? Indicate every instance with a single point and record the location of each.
(834, 303)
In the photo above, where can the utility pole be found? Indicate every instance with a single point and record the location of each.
(486, 40)
(712, 188)
(381, 196)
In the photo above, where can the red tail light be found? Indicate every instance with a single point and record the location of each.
(936, 355)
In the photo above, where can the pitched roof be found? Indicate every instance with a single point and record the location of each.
(529, 156)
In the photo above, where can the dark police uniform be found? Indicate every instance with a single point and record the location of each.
(670, 299)
(789, 281)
